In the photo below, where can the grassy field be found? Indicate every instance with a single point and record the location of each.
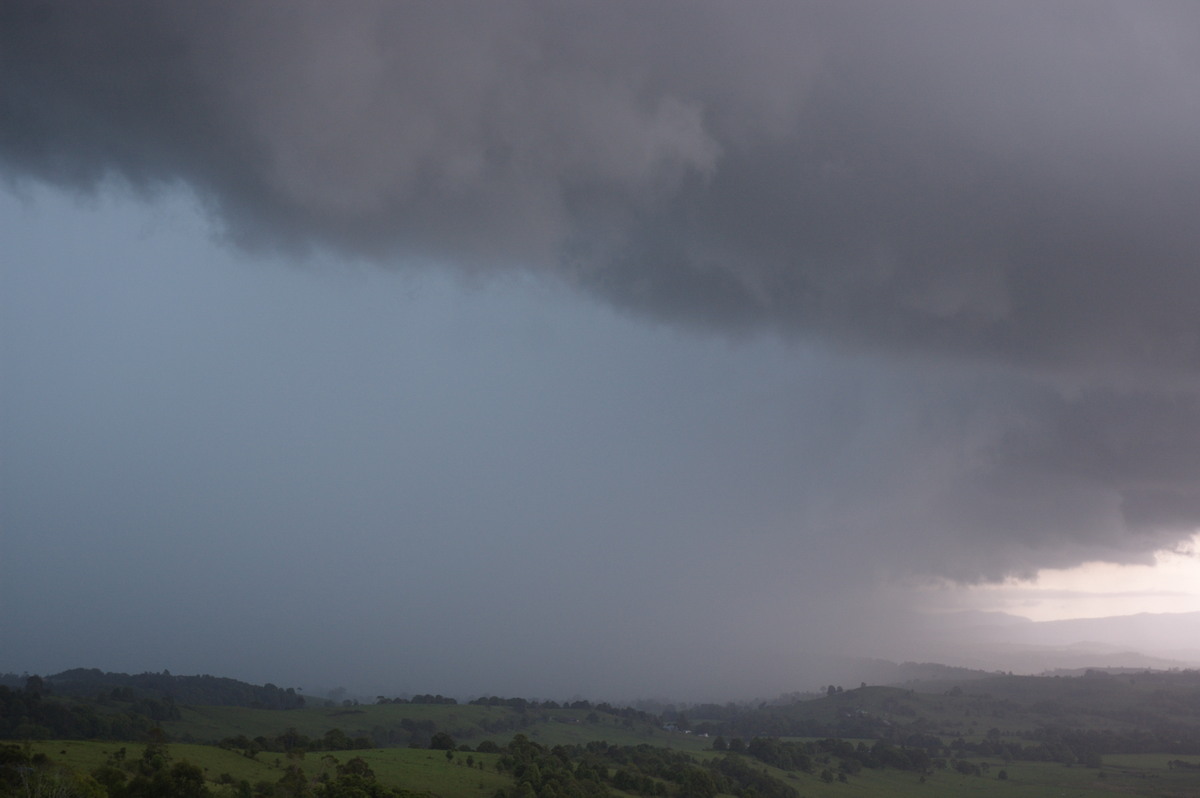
(430, 771)
(1012, 706)
(216, 723)
(1142, 775)
(423, 770)
(414, 769)
(1053, 718)
(554, 733)
(466, 724)
(85, 756)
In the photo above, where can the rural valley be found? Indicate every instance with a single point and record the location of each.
(108, 735)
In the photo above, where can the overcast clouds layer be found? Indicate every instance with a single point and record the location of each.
(622, 333)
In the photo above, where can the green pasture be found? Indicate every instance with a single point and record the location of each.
(86, 756)
(420, 770)
(1011, 705)
(1145, 775)
(425, 770)
(1025, 780)
(969, 713)
(612, 731)
(466, 724)
(216, 723)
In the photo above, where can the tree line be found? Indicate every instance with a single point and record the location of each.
(32, 714)
(201, 690)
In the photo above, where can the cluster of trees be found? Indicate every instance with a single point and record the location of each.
(1084, 746)
(519, 704)
(1168, 702)
(424, 698)
(155, 775)
(538, 772)
(417, 699)
(188, 690)
(526, 705)
(151, 775)
(32, 713)
(779, 724)
(735, 770)
(852, 758)
(797, 719)
(352, 779)
(431, 699)
(291, 741)
(28, 774)
(419, 733)
(594, 770)
(923, 753)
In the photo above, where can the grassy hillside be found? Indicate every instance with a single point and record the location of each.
(1097, 734)
(475, 775)
(418, 770)
(405, 724)
(1004, 705)
(382, 721)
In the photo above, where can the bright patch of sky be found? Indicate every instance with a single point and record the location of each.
(1170, 584)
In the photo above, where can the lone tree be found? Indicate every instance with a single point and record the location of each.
(442, 742)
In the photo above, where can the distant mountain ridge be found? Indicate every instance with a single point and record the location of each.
(998, 641)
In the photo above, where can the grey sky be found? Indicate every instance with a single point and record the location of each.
(543, 347)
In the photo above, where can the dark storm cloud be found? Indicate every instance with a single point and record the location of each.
(1009, 186)
(1144, 448)
(1012, 179)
